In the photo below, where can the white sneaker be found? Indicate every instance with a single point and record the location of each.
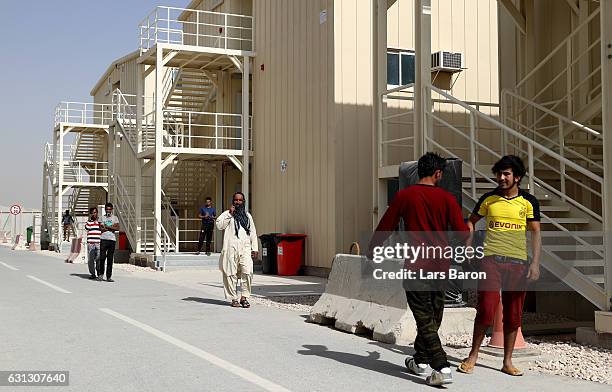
(416, 368)
(444, 376)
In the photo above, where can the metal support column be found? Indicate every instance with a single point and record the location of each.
(218, 203)
(139, 114)
(606, 93)
(379, 73)
(422, 96)
(157, 187)
(60, 183)
(245, 130)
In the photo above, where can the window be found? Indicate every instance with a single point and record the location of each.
(400, 67)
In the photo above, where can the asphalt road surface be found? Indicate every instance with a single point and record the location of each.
(150, 335)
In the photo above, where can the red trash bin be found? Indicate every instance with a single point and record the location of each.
(290, 253)
(123, 242)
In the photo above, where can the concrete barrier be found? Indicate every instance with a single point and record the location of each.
(355, 302)
(75, 251)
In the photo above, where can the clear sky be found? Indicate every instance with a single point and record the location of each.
(52, 51)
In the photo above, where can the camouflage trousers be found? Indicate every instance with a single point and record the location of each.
(427, 305)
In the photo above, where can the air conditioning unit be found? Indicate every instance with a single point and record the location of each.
(447, 61)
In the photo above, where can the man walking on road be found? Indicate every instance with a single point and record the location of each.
(208, 214)
(239, 248)
(67, 222)
(428, 212)
(509, 211)
(109, 227)
(92, 226)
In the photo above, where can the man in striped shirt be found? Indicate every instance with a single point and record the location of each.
(93, 242)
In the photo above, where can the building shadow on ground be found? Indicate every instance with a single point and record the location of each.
(371, 361)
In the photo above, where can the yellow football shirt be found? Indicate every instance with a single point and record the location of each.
(507, 222)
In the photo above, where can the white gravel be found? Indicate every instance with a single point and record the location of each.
(566, 357)
(300, 303)
(560, 356)
(131, 268)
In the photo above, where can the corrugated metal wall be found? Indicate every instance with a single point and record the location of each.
(293, 109)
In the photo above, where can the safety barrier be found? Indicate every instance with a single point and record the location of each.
(354, 301)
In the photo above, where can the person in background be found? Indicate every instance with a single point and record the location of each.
(240, 246)
(109, 226)
(92, 226)
(67, 221)
(208, 214)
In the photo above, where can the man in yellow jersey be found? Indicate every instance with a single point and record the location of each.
(509, 212)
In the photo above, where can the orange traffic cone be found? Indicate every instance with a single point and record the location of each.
(497, 339)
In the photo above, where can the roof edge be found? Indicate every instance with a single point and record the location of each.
(127, 57)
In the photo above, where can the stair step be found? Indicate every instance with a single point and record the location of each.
(567, 221)
(555, 208)
(587, 263)
(573, 248)
(599, 279)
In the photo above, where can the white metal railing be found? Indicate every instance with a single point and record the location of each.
(190, 129)
(182, 26)
(125, 209)
(169, 217)
(189, 231)
(556, 135)
(125, 114)
(85, 171)
(574, 72)
(83, 113)
(488, 146)
(157, 241)
(396, 123)
(169, 83)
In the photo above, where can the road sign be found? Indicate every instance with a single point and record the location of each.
(15, 209)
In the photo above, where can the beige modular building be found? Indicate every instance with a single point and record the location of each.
(309, 107)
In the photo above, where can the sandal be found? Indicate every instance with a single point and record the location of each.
(513, 371)
(465, 367)
(235, 303)
(245, 303)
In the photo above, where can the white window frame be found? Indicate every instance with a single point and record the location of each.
(399, 52)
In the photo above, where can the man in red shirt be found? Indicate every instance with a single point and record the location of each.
(428, 213)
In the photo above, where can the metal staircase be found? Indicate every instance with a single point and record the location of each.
(191, 90)
(572, 242)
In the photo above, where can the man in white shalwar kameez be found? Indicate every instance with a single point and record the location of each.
(240, 246)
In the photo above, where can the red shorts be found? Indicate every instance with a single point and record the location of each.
(510, 279)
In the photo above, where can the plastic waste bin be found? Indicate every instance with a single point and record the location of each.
(123, 241)
(268, 253)
(290, 253)
(29, 232)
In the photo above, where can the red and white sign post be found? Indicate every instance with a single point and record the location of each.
(15, 210)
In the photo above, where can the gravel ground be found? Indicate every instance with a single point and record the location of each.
(301, 303)
(561, 356)
(566, 357)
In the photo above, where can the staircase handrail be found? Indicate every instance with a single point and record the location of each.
(474, 171)
(563, 124)
(125, 115)
(126, 209)
(169, 212)
(563, 43)
(519, 136)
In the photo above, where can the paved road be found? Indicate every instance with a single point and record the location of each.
(149, 335)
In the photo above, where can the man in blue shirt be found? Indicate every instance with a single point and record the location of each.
(208, 214)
